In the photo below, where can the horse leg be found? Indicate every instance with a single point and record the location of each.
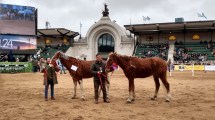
(157, 86)
(131, 91)
(75, 88)
(107, 85)
(167, 86)
(82, 90)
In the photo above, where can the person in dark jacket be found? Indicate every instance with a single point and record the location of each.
(100, 76)
(50, 78)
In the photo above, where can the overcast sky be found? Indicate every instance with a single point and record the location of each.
(69, 13)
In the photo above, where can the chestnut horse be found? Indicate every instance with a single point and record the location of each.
(134, 67)
(78, 70)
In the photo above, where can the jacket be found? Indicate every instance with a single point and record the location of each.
(98, 67)
(47, 74)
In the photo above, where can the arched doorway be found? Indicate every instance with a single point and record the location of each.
(105, 44)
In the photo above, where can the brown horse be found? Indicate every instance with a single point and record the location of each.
(134, 67)
(78, 70)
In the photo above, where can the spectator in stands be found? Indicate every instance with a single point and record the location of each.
(17, 59)
(213, 53)
(5, 58)
(149, 54)
(34, 64)
(201, 42)
(176, 43)
(209, 46)
(58, 46)
(169, 64)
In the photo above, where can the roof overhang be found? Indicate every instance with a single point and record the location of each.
(174, 26)
(57, 32)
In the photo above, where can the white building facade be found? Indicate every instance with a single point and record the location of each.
(103, 37)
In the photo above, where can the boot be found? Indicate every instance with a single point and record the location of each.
(46, 99)
(107, 101)
(52, 98)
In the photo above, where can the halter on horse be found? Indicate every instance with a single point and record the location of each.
(140, 68)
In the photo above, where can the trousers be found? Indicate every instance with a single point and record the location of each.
(97, 83)
(51, 84)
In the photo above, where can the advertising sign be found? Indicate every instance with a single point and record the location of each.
(17, 42)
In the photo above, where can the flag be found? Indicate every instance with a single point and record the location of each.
(201, 15)
(146, 18)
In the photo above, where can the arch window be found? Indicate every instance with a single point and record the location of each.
(106, 43)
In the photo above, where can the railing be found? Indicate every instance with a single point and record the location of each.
(81, 40)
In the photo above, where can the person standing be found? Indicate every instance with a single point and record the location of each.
(35, 65)
(50, 78)
(61, 66)
(100, 76)
(169, 65)
(42, 63)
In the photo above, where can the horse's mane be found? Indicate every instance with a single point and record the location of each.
(62, 55)
(125, 57)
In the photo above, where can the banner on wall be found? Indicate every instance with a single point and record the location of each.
(189, 67)
(15, 67)
(210, 67)
(17, 42)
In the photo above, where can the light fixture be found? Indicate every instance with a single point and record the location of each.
(196, 37)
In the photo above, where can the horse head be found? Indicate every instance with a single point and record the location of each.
(55, 57)
(112, 63)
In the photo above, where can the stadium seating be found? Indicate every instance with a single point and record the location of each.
(49, 51)
(193, 49)
(152, 50)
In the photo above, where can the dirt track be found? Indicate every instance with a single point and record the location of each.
(193, 98)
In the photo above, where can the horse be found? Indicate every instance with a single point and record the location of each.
(78, 70)
(134, 67)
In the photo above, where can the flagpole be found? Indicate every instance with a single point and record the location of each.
(130, 26)
(80, 29)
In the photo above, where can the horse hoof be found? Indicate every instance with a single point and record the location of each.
(74, 97)
(167, 100)
(152, 98)
(129, 101)
(83, 99)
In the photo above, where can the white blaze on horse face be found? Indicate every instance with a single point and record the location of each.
(106, 62)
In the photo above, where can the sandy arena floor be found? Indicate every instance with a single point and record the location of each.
(193, 98)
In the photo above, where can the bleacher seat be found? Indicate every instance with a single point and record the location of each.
(195, 48)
